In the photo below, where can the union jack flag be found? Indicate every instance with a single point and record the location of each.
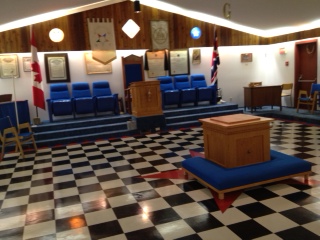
(215, 60)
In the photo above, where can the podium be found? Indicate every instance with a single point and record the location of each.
(146, 105)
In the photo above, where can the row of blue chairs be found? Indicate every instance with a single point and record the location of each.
(180, 89)
(81, 101)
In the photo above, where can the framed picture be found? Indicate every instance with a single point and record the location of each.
(156, 63)
(159, 34)
(9, 66)
(246, 57)
(95, 67)
(196, 56)
(26, 63)
(179, 62)
(57, 67)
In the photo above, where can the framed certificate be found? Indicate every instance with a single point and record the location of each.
(57, 67)
(156, 64)
(179, 62)
(9, 66)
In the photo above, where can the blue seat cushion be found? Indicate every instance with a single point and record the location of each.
(223, 178)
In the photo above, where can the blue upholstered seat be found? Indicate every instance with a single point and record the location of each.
(60, 102)
(105, 100)
(187, 93)
(204, 92)
(170, 96)
(82, 98)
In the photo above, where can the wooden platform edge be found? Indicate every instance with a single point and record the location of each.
(222, 192)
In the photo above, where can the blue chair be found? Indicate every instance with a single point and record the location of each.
(60, 102)
(170, 96)
(187, 93)
(105, 100)
(309, 99)
(204, 92)
(83, 102)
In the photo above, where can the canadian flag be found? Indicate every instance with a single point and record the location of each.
(37, 91)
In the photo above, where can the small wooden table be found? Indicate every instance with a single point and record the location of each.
(236, 140)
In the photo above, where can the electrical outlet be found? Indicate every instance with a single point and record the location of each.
(230, 99)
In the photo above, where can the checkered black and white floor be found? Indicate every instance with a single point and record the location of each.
(93, 191)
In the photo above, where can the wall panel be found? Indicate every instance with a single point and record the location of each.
(76, 31)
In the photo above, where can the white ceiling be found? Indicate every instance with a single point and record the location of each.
(260, 17)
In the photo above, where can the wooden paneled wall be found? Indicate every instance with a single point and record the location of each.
(76, 31)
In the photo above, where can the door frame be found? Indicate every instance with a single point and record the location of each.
(297, 64)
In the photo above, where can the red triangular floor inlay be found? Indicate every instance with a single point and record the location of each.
(173, 174)
(225, 203)
(196, 154)
(301, 180)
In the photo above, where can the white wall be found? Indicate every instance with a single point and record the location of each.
(267, 66)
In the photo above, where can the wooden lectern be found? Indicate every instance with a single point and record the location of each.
(146, 104)
(146, 98)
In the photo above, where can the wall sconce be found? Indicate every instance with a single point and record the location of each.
(131, 28)
(195, 32)
(136, 6)
(56, 35)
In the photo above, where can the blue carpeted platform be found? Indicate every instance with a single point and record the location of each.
(223, 179)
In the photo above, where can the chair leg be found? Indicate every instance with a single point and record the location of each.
(34, 144)
(20, 148)
(2, 152)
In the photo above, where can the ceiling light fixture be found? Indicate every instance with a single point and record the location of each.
(136, 6)
(56, 35)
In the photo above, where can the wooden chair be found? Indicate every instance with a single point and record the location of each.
(132, 71)
(9, 136)
(287, 91)
(310, 100)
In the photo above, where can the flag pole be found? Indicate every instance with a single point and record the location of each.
(37, 91)
(15, 99)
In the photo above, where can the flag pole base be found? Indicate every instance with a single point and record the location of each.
(36, 121)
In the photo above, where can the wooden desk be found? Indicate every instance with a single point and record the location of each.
(236, 140)
(262, 96)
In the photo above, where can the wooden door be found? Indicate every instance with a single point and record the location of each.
(305, 66)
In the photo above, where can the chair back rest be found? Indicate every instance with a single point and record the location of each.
(315, 87)
(59, 91)
(255, 84)
(101, 88)
(165, 83)
(80, 89)
(4, 124)
(198, 80)
(287, 86)
(181, 82)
